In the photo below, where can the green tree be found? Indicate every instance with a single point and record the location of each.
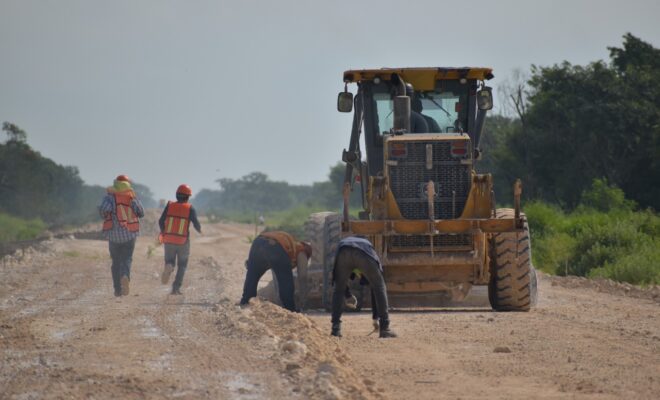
(578, 123)
(255, 192)
(605, 198)
(497, 158)
(15, 133)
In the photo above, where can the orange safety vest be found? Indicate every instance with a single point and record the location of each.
(288, 243)
(124, 212)
(177, 222)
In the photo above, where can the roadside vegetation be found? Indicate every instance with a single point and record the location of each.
(14, 228)
(585, 140)
(565, 125)
(603, 237)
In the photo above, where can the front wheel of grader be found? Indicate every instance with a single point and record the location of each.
(513, 281)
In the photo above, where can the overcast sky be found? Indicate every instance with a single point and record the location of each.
(172, 92)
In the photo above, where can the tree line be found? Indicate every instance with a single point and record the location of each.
(585, 140)
(257, 193)
(34, 187)
(573, 124)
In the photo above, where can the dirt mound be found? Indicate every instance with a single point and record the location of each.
(605, 286)
(307, 356)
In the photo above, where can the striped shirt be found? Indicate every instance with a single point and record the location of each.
(119, 234)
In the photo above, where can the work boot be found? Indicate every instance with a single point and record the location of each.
(375, 324)
(165, 276)
(124, 285)
(385, 331)
(176, 292)
(336, 330)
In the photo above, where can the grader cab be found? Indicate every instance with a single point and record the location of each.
(431, 218)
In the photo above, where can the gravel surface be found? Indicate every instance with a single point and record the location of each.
(64, 335)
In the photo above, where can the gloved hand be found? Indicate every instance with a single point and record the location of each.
(351, 302)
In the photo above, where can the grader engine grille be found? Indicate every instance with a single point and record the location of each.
(409, 175)
(419, 241)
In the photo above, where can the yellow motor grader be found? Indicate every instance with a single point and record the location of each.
(431, 218)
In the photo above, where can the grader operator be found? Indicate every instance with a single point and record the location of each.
(430, 216)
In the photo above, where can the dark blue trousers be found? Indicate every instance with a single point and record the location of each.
(122, 257)
(267, 254)
(349, 258)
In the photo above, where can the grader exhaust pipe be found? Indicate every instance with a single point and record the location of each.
(401, 107)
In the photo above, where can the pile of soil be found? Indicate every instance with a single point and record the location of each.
(308, 357)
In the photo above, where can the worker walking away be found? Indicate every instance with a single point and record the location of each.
(175, 234)
(121, 212)
(358, 253)
(280, 252)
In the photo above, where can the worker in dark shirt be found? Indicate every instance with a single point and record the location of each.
(418, 123)
(174, 233)
(358, 253)
(416, 107)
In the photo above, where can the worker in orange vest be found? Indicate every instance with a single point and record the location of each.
(280, 252)
(121, 211)
(174, 233)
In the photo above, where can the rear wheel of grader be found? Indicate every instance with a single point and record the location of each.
(513, 285)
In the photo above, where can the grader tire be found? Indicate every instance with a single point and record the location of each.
(323, 230)
(513, 285)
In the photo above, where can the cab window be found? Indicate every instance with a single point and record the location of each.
(444, 109)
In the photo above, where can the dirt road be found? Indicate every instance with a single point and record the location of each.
(64, 335)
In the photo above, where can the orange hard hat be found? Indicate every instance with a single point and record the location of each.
(122, 178)
(184, 189)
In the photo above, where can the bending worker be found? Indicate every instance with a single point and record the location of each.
(280, 252)
(174, 227)
(358, 253)
(121, 211)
